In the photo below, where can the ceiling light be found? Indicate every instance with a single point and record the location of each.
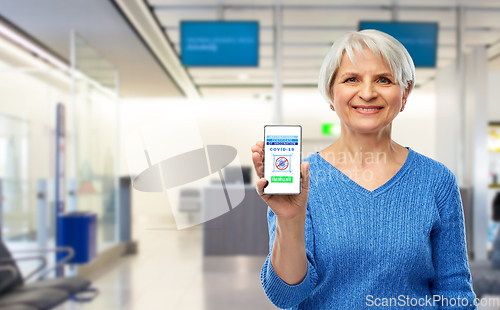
(12, 35)
(243, 76)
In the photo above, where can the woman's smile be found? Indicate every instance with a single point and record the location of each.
(368, 111)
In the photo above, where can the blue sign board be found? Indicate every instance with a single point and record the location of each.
(419, 39)
(219, 43)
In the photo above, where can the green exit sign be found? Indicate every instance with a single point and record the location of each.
(330, 129)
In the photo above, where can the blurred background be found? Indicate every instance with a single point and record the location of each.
(79, 78)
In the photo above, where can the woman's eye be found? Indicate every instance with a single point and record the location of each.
(352, 80)
(384, 80)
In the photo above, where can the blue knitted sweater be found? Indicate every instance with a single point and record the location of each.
(400, 245)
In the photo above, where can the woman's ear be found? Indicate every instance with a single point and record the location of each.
(406, 93)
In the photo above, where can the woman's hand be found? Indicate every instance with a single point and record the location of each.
(288, 256)
(285, 207)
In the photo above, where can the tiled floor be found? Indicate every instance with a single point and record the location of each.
(169, 273)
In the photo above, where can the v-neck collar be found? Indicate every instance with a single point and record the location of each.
(361, 189)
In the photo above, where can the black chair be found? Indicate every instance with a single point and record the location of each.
(10, 299)
(42, 299)
(5, 281)
(42, 294)
(485, 278)
(18, 307)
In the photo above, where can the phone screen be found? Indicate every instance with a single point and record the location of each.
(282, 159)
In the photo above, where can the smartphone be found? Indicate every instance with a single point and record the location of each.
(282, 159)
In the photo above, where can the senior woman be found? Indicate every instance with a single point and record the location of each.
(376, 224)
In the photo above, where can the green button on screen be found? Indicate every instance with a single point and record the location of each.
(282, 179)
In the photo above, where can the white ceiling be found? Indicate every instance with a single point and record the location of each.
(104, 28)
(310, 28)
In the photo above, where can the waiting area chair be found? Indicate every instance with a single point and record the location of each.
(16, 294)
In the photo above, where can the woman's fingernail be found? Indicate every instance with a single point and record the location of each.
(267, 183)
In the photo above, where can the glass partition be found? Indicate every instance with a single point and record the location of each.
(96, 126)
(27, 114)
(30, 91)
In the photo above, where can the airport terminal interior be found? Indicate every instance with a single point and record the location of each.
(110, 110)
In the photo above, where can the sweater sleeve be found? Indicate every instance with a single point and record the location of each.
(281, 294)
(452, 282)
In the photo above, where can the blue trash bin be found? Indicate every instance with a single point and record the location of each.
(78, 230)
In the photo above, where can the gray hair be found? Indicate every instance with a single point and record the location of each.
(381, 44)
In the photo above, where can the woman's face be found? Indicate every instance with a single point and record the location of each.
(368, 84)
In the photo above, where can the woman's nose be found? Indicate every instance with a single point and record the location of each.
(367, 91)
